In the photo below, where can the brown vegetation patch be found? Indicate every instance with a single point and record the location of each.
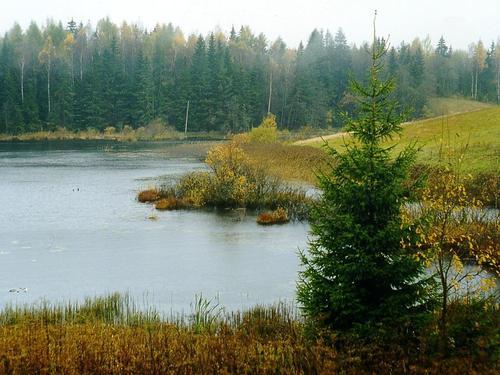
(110, 335)
(278, 216)
(171, 203)
(261, 341)
(287, 161)
(148, 196)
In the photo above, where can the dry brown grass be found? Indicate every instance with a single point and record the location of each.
(148, 196)
(289, 162)
(171, 203)
(152, 132)
(34, 348)
(256, 346)
(109, 335)
(278, 216)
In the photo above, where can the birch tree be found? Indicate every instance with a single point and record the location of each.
(46, 57)
(479, 59)
(69, 54)
(81, 46)
(497, 68)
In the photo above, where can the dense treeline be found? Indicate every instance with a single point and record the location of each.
(77, 76)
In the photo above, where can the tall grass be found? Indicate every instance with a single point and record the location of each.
(477, 132)
(110, 335)
(289, 162)
(155, 131)
(117, 309)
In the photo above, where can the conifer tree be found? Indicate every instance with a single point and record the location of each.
(145, 93)
(198, 85)
(357, 272)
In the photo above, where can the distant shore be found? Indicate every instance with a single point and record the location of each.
(129, 135)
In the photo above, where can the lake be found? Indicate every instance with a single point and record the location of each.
(70, 227)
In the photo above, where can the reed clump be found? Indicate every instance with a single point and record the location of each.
(278, 216)
(171, 203)
(148, 196)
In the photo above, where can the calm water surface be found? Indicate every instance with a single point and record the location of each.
(70, 227)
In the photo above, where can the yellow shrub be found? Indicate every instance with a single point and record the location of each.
(110, 130)
(232, 173)
(242, 138)
(266, 132)
(195, 187)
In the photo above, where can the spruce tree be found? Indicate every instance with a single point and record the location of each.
(198, 87)
(357, 272)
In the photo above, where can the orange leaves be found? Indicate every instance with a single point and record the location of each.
(148, 196)
(278, 216)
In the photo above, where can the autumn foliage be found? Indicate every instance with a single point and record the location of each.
(148, 196)
(266, 132)
(233, 181)
(278, 216)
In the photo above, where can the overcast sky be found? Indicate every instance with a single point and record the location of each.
(460, 21)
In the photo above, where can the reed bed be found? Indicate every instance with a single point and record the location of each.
(289, 162)
(112, 335)
(151, 132)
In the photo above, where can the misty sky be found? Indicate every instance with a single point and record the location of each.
(460, 21)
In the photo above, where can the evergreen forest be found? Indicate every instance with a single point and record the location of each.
(79, 76)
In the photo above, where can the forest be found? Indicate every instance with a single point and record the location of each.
(77, 76)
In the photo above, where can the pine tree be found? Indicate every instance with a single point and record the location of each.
(72, 27)
(198, 86)
(442, 48)
(213, 119)
(442, 68)
(417, 67)
(356, 271)
(416, 89)
(145, 91)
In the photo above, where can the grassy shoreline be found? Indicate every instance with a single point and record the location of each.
(131, 135)
(108, 335)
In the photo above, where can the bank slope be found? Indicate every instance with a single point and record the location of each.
(476, 134)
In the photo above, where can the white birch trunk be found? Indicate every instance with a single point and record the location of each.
(187, 118)
(472, 85)
(498, 84)
(48, 83)
(22, 79)
(270, 93)
(81, 65)
(475, 96)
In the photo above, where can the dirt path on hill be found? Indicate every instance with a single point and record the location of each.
(314, 140)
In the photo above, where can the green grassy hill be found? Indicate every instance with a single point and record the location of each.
(476, 134)
(451, 106)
